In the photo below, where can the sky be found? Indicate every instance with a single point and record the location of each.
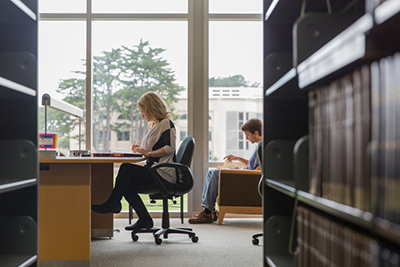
(235, 47)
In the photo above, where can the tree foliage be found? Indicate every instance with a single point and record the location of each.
(120, 77)
(231, 81)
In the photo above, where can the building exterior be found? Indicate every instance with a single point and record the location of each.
(229, 108)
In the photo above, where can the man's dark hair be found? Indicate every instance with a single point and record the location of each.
(252, 125)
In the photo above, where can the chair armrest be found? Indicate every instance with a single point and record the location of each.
(174, 165)
(183, 168)
(239, 187)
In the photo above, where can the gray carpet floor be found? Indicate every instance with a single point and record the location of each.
(228, 244)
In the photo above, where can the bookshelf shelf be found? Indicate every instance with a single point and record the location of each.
(286, 82)
(344, 212)
(344, 49)
(283, 187)
(24, 9)
(271, 9)
(386, 11)
(6, 187)
(280, 260)
(387, 230)
(18, 228)
(274, 9)
(16, 87)
(17, 11)
(17, 260)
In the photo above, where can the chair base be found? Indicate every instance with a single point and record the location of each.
(255, 240)
(160, 231)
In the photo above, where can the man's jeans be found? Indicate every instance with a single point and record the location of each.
(210, 190)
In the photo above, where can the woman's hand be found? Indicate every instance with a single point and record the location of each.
(141, 150)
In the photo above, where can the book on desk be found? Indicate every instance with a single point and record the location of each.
(117, 154)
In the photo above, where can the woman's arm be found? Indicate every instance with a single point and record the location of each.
(153, 154)
(163, 146)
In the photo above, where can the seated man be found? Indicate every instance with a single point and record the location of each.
(252, 130)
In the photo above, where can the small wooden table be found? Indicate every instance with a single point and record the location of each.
(67, 188)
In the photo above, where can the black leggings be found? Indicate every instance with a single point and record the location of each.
(131, 177)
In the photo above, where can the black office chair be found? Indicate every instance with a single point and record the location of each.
(255, 240)
(184, 183)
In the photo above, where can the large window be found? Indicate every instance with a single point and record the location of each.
(159, 50)
(62, 6)
(130, 58)
(235, 6)
(140, 6)
(106, 55)
(61, 54)
(235, 71)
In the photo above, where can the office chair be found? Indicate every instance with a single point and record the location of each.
(255, 240)
(184, 183)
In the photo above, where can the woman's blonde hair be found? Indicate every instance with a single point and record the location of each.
(154, 106)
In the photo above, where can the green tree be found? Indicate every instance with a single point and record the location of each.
(75, 96)
(120, 77)
(231, 81)
(143, 70)
(106, 83)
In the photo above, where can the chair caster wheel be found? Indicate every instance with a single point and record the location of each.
(135, 237)
(255, 241)
(195, 239)
(158, 241)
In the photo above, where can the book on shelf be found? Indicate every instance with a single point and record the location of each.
(315, 157)
(375, 137)
(339, 130)
(355, 139)
(386, 137)
(362, 131)
(347, 179)
(324, 242)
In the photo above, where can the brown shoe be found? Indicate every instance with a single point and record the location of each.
(202, 217)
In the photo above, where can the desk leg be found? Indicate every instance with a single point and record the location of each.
(64, 217)
(102, 185)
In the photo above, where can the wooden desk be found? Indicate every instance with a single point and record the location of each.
(67, 187)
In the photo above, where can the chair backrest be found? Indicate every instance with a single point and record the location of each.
(260, 161)
(259, 155)
(184, 179)
(185, 151)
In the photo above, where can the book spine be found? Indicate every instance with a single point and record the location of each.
(324, 242)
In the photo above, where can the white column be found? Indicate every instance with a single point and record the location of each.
(198, 95)
(89, 77)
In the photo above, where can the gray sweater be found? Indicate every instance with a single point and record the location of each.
(162, 135)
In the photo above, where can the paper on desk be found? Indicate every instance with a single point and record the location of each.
(232, 165)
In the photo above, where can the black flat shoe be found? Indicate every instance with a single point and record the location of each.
(106, 208)
(140, 224)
